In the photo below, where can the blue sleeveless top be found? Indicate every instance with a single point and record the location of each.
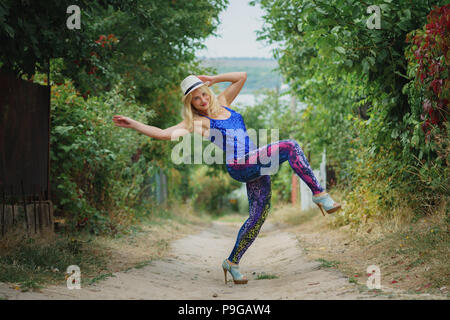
(231, 135)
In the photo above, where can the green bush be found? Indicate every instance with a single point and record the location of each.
(210, 191)
(97, 171)
(361, 101)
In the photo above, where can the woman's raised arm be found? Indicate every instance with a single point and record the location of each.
(237, 80)
(175, 131)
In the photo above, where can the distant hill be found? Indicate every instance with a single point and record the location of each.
(260, 71)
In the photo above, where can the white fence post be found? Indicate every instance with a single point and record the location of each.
(305, 193)
(323, 169)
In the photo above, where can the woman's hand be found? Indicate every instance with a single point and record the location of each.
(124, 122)
(209, 80)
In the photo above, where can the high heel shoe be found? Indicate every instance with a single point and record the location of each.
(325, 202)
(238, 278)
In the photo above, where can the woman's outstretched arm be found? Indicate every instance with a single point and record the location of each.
(237, 80)
(176, 131)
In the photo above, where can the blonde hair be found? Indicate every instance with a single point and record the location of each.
(189, 110)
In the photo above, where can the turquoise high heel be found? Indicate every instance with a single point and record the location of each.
(325, 202)
(238, 278)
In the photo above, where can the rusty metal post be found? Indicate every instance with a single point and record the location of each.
(41, 200)
(12, 205)
(3, 211)
(34, 208)
(25, 206)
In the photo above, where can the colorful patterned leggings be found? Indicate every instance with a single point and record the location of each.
(259, 186)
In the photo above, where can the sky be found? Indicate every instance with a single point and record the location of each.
(236, 33)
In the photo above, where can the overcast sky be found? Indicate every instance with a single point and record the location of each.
(236, 33)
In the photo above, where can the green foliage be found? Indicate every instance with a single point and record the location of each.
(361, 101)
(141, 38)
(209, 190)
(97, 170)
(31, 32)
(127, 58)
(265, 276)
(31, 265)
(428, 61)
(153, 39)
(327, 264)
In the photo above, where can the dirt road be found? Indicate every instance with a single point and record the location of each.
(192, 270)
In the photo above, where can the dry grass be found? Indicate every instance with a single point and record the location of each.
(413, 253)
(41, 261)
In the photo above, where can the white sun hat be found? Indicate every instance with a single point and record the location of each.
(190, 83)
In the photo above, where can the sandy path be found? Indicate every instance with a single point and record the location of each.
(192, 270)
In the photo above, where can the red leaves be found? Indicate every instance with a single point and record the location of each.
(438, 25)
(435, 119)
(429, 48)
(425, 126)
(435, 68)
(436, 85)
(82, 223)
(422, 77)
(426, 106)
(93, 70)
(107, 40)
(101, 40)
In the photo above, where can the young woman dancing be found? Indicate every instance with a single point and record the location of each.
(214, 116)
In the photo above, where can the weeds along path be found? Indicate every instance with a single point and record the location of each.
(274, 264)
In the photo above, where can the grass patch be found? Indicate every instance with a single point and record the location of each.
(424, 247)
(31, 264)
(231, 218)
(292, 215)
(352, 280)
(412, 252)
(327, 264)
(142, 264)
(263, 276)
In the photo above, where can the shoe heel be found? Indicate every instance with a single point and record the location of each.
(326, 203)
(225, 274)
(235, 274)
(320, 207)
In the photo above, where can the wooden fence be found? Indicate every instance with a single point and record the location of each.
(24, 156)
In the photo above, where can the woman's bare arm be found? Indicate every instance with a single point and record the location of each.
(173, 132)
(227, 96)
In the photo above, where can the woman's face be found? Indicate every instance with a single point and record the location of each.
(200, 100)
